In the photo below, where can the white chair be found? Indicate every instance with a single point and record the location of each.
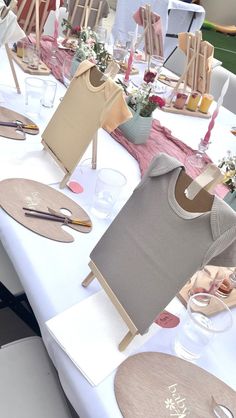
(177, 61)
(219, 76)
(29, 385)
(219, 12)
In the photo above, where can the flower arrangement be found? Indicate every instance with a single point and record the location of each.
(143, 100)
(88, 46)
(228, 166)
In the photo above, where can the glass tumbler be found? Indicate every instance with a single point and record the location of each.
(200, 324)
(109, 185)
(119, 50)
(34, 91)
(67, 72)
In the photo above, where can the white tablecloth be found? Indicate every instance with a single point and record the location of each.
(51, 272)
(176, 17)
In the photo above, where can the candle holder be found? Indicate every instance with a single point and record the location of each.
(197, 159)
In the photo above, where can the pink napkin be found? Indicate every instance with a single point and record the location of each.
(156, 31)
(162, 140)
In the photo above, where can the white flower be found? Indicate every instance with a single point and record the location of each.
(170, 404)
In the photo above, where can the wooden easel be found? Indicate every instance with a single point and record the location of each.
(58, 149)
(153, 41)
(9, 56)
(201, 201)
(197, 72)
(198, 75)
(87, 8)
(32, 20)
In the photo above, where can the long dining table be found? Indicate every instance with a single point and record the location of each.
(51, 272)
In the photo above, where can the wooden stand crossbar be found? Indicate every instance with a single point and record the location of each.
(95, 273)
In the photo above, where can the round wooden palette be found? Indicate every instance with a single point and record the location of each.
(18, 193)
(159, 385)
(8, 115)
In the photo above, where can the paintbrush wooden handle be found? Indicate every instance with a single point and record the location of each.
(63, 220)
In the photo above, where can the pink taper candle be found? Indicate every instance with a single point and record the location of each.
(129, 64)
(215, 113)
(131, 55)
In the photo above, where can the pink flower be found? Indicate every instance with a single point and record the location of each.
(157, 100)
(90, 41)
(149, 76)
(76, 30)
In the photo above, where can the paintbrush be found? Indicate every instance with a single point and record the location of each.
(55, 217)
(19, 125)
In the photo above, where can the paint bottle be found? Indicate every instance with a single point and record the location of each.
(206, 102)
(227, 285)
(193, 101)
(181, 98)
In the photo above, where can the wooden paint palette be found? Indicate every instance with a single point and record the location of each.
(160, 385)
(8, 115)
(18, 193)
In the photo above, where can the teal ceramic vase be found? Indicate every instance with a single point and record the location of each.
(137, 129)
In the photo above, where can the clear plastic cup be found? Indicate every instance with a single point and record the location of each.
(201, 323)
(34, 91)
(50, 88)
(109, 185)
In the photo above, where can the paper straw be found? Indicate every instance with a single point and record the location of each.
(215, 113)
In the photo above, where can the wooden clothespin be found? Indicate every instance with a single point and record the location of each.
(111, 71)
(207, 180)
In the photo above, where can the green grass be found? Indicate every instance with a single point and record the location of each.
(225, 47)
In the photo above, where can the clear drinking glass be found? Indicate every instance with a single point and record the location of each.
(101, 33)
(152, 73)
(50, 88)
(119, 50)
(109, 185)
(201, 323)
(67, 72)
(197, 159)
(33, 57)
(34, 91)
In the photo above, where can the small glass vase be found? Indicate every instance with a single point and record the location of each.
(197, 159)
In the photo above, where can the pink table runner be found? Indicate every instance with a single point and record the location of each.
(161, 140)
(46, 51)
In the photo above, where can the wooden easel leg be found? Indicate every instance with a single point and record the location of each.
(64, 180)
(126, 341)
(12, 69)
(88, 279)
(94, 152)
(37, 25)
